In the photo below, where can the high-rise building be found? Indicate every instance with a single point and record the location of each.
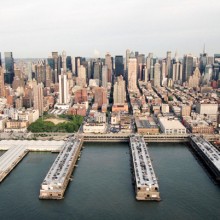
(177, 69)
(148, 67)
(9, 67)
(169, 69)
(119, 94)
(193, 80)
(127, 59)
(132, 73)
(81, 79)
(0, 60)
(157, 75)
(18, 80)
(203, 61)
(81, 96)
(41, 72)
(48, 76)
(119, 66)
(55, 66)
(2, 85)
(38, 97)
(59, 65)
(78, 62)
(64, 61)
(108, 63)
(63, 89)
(187, 67)
(140, 65)
(28, 70)
(104, 76)
(100, 96)
(163, 70)
(69, 63)
(152, 63)
(207, 75)
(97, 70)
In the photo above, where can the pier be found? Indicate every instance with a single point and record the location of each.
(208, 154)
(146, 185)
(57, 179)
(10, 159)
(124, 137)
(31, 145)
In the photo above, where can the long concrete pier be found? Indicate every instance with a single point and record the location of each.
(146, 185)
(208, 154)
(16, 150)
(10, 159)
(31, 145)
(57, 179)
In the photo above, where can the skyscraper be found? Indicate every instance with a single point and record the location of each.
(64, 61)
(81, 79)
(69, 63)
(9, 67)
(148, 67)
(48, 76)
(2, 85)
(177, 70)
(127, 59)
(132, 73)
(78, 62)
(119, 66)
(187, 67)
(55, 66)
(157, 75)
(104, 76)
(63, 89)
(203, 61)
(59, 65)
(108, 63)
(100, 96)
(38, 97)
(97, 70)
(119, 94)
(140, 65)
(0, 60)
(41, 72)
(169, 70)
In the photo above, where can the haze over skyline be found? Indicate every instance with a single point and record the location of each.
(91, 28)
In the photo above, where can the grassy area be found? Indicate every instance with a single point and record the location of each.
(64, 123)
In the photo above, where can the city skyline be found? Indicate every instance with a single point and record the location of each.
(33, 29)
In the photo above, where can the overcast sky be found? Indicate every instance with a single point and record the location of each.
(93, 27)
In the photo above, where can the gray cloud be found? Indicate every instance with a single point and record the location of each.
(35, 28)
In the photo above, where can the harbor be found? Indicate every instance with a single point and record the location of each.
(146, 185)
(59, 175)
(208, 154)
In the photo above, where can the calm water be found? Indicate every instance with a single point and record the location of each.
(102, 187)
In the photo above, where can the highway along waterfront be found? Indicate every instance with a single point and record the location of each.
(102, 186)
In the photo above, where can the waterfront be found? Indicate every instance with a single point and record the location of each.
(102, 189)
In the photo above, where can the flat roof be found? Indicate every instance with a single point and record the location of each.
(144, 172)
(209, 150)
(57, 174)
(169, 123)
(8, 159)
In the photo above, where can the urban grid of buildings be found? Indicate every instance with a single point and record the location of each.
(126, 99)
(119, 94)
